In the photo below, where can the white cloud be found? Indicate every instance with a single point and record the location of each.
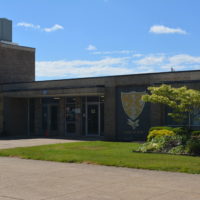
(28, 25)
(116, 66)
(91, 47)
(113, 52)
(184, 58)
(137, 55)
(163, 62)
(160, 29)
(150, 60)
(53, 28)
(82, 68)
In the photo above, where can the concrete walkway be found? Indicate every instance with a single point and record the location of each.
(11, 143)
(42, 180)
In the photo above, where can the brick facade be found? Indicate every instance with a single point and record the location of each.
(17, 75)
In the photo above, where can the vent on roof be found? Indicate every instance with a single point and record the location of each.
(5, 30)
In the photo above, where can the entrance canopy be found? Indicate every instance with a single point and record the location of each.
(49, 92)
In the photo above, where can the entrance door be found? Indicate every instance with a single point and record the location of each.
(50, 120)
(93, 119)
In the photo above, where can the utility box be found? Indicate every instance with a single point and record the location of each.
(5, 30)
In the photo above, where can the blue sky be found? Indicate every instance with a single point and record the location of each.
(85, 38)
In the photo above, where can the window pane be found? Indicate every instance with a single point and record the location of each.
(54, 118)
(70, 112)
(93, 99)
(71, 100)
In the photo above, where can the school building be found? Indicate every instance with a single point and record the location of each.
(105, 107)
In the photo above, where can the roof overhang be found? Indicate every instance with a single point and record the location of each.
(93, 91)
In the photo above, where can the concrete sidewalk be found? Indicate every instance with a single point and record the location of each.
(41, 180)
(27, 142)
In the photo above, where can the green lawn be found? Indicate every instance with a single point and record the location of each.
(107, 153)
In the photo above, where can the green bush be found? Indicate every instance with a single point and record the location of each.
(181, 131)
(161, 144)
(159, 133)
(155, 145)
(193, 146)
(177, 130)
(195, 133)
(179, 140)
(161, 128)
(177, 150)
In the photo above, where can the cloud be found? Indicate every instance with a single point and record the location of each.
(91, 47)
(112, 52)
(115, 66)
(163, 62)
(184, 58)
(137, 55)
(53, 28)
(28, 25)
(150, 60)
(160, 29)
(82, 68)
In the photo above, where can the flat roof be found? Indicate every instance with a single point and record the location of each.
(109, 76)
(16, 46)
(124, 75)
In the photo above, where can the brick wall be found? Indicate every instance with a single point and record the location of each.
(17, 64)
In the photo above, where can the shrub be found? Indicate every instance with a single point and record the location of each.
(177, 150)
(159, 133)
(161, 143)
(155, 145)
(181, 131)
(195, 133)
(179, 140)
(193, 146)
(172, 141)
(161, 128)
(177, 130)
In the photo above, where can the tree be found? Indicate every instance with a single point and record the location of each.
(183, 101)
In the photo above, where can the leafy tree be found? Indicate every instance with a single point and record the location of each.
(183, 101)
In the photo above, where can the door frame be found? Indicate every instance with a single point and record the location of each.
(49, 131)
(99, 118)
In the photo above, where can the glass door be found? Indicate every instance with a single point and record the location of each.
(50, 119)
(53, 121)
(93, 119)
(70, 115)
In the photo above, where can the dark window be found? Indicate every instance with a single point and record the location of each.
(32, 115)
(54, 117)
(102, 99)
(44, 116)
(71, 100)
(102, 117)
(71, 128)
(93, 119)
(93, 99)
(70, 112)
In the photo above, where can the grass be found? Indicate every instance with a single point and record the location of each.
(118, 154)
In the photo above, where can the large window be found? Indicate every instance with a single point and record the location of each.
(70, 113)
(194, 119)
(32, 115)
(93, 115)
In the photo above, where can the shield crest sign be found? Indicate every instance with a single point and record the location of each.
(133, 106)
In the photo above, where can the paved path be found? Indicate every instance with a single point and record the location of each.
(11, 143)
(43, 180)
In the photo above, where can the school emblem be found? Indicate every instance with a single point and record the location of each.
(133, 106)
